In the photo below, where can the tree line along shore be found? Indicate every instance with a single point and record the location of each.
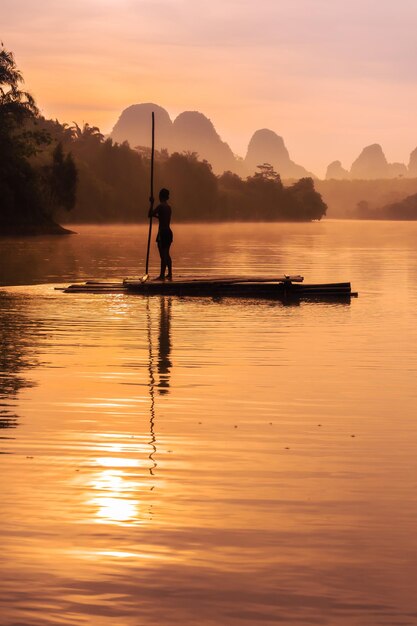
(52, 173)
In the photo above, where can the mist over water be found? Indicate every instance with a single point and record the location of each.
(189, 461)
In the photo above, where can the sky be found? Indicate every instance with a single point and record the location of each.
(329, 76)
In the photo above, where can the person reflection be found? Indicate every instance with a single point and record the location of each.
(164, 343)
(163, 366)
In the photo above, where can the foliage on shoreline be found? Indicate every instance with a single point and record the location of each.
(405, 209)
(367, 199)
(30, 192)
(114, 185)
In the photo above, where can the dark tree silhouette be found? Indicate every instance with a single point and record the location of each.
(15, 103)
(192, 184)
(267, 172)
(60, 181)
(23, 208)
(303, 202)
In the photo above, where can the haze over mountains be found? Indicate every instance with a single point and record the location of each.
(372, 164)
(192, 131)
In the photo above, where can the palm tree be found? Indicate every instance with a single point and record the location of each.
(15, 104)
(87, 133)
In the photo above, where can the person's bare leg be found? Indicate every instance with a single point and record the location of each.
(163, 268)
(163, 263)
(169, 265)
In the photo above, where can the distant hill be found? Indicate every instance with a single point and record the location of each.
(412, 165)
(372, 164)
(335, 171)
(268, 147)
(354, 198)
(134, 126)
(192, 131)
(404, 210)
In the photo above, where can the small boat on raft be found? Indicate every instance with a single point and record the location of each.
(270, 288)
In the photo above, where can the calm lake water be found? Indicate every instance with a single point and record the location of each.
(188, 462)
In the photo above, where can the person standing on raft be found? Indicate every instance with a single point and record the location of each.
(165, 237)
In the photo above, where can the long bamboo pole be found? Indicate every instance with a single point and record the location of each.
(151, 200)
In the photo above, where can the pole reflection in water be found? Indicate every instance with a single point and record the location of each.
(164, 364)
(152, 440)
(122, 477)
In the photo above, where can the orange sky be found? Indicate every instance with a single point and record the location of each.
(330, 76)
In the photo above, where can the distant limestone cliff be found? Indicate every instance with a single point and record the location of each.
(335, 171)
(192, 131)
(134, 126)
(268, 147)
(372, 164)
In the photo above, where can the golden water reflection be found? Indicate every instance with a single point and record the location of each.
(181, 462)
(115, 497)
(120, 494)
(115, 509)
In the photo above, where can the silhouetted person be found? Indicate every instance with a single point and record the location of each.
(165, 237)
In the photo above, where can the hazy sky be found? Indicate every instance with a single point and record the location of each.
(330, 76)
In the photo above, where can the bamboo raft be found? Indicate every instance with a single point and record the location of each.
(271, 288)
